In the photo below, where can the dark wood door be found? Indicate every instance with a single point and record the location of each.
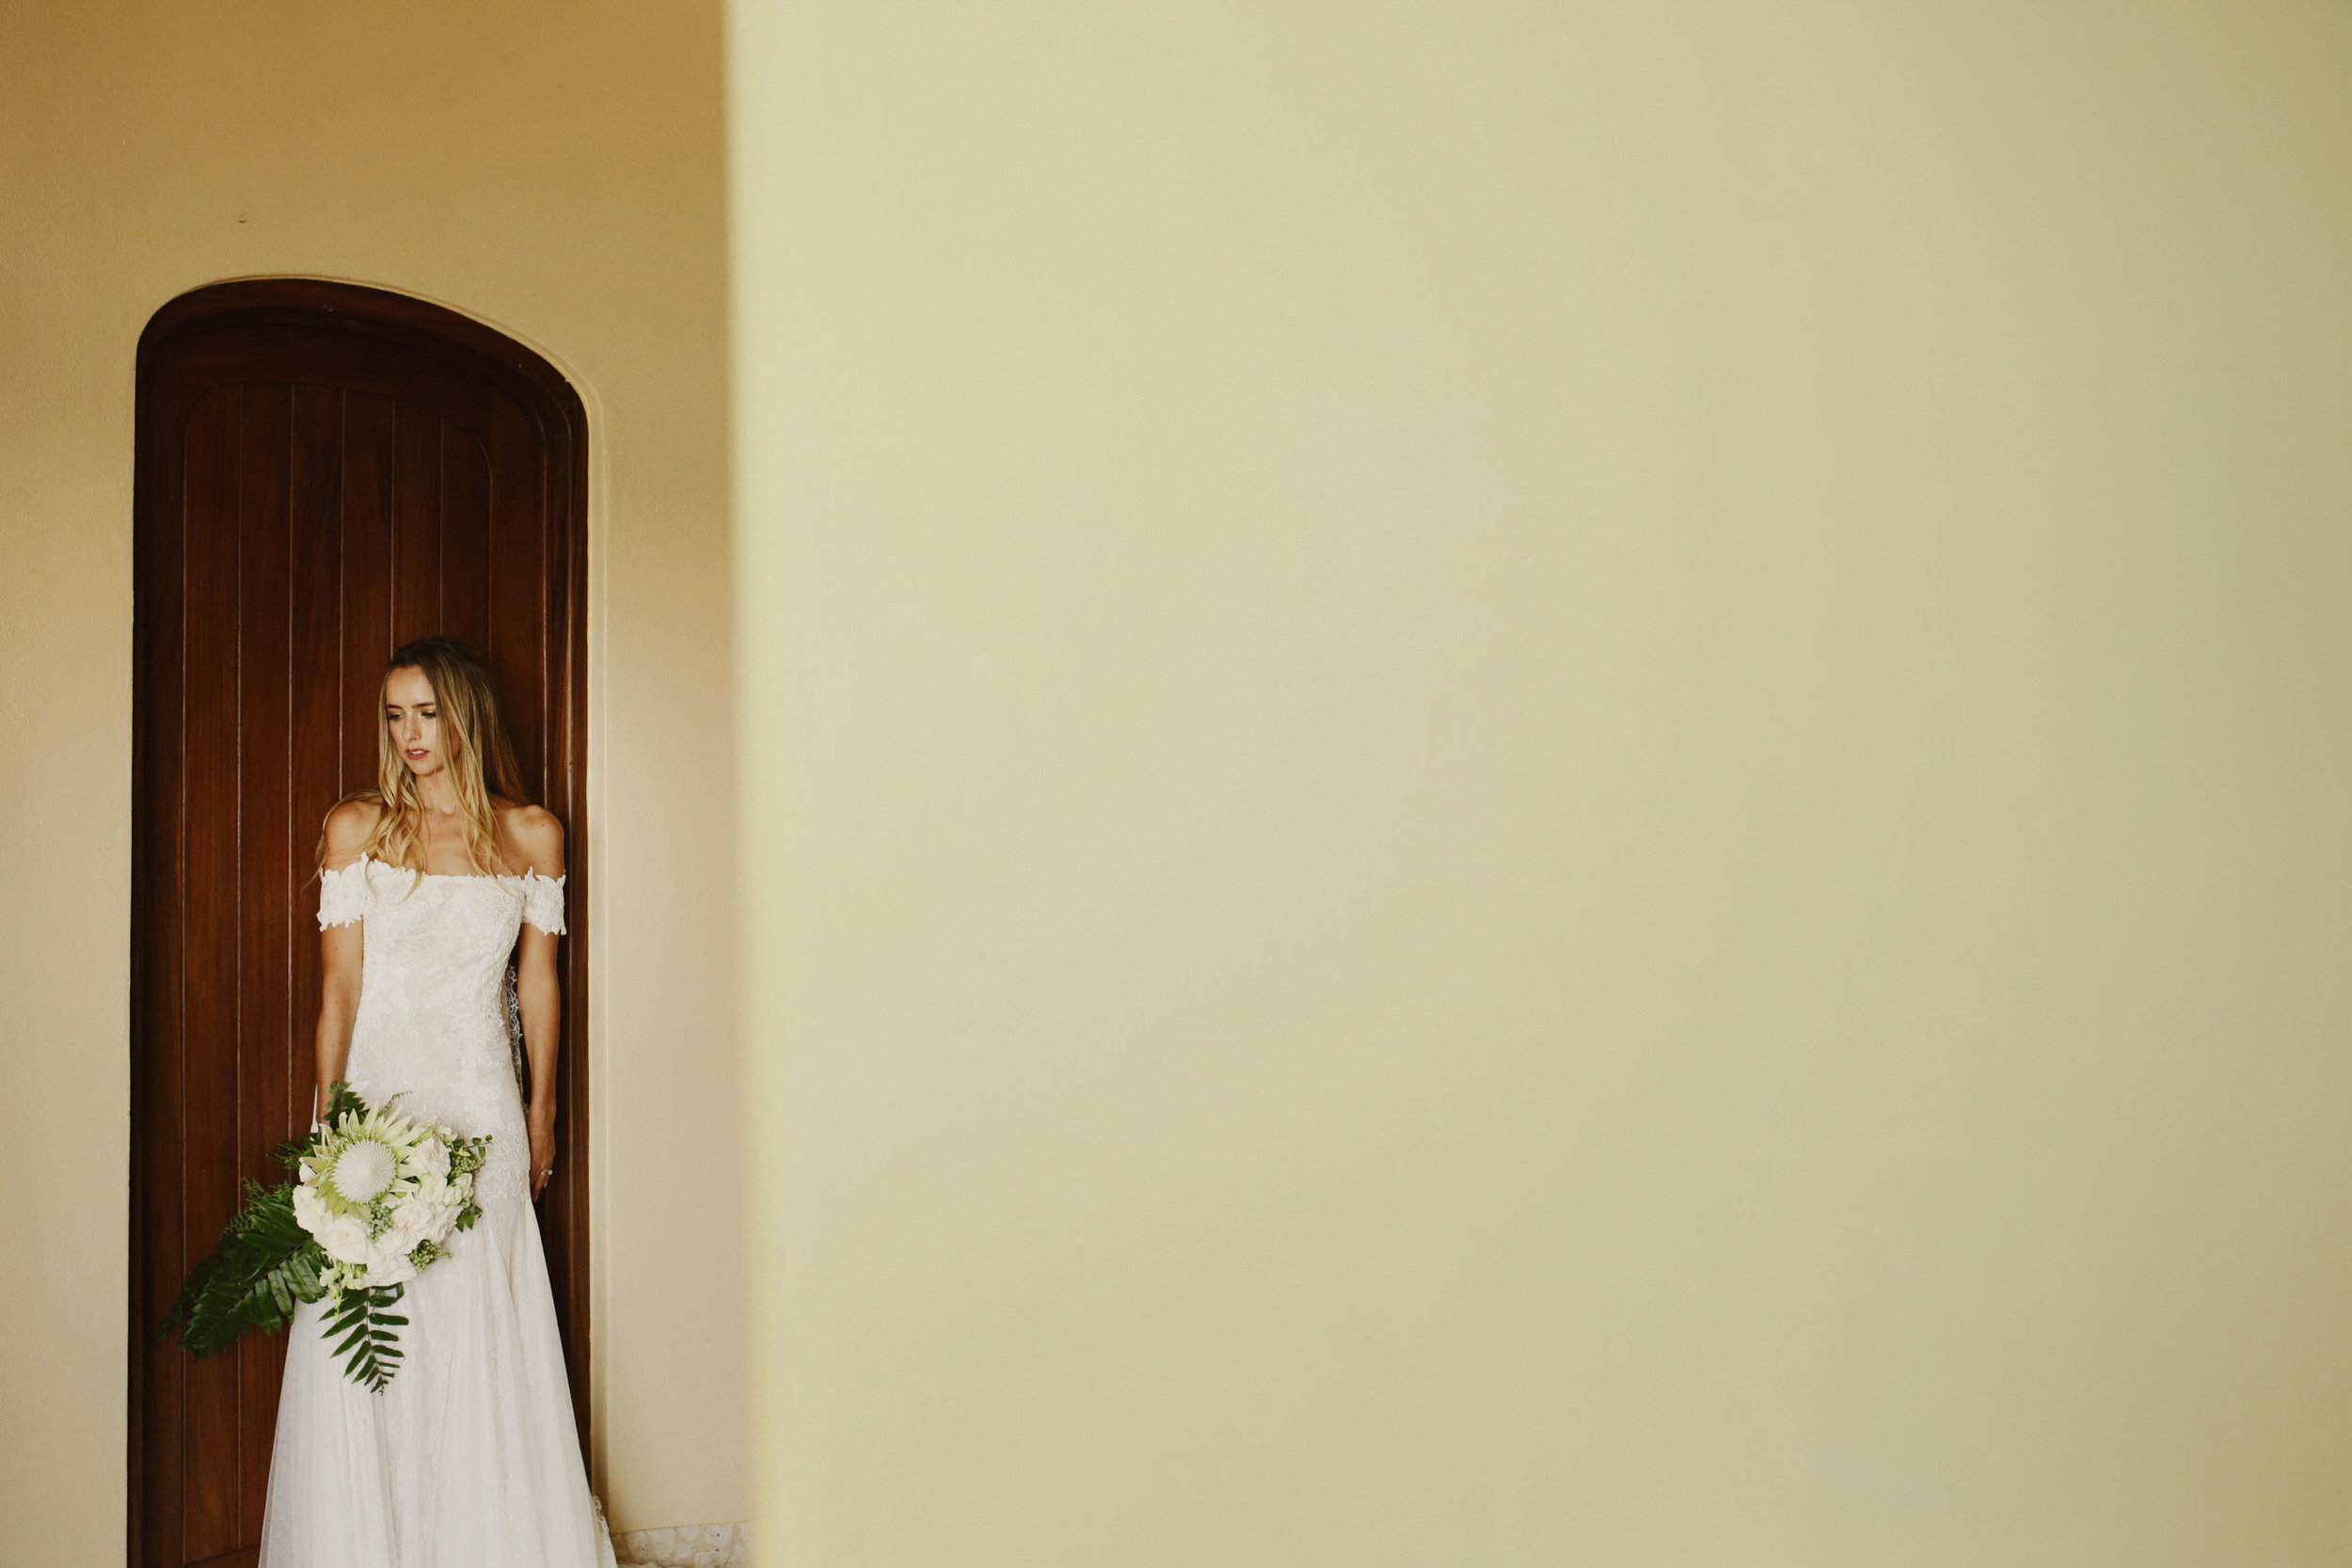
(323, 473)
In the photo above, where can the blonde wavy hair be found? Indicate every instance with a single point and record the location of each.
(474, 748)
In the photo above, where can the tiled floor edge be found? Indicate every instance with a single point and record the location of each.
(727, 1546)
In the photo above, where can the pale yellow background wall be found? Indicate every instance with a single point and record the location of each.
(556, 170)
(1549, 784)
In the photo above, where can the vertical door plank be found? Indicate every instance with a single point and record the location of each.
(314, 492)
(415, 523)
(367, 578)
(465, 535)
(159, 1150)
(208, 1088)
(517, 636)
(265, 740)
(566, 680)
(563, 1206)
(264, 1033)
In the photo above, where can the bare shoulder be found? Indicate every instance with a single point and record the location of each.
(537, 838)
(347, 827)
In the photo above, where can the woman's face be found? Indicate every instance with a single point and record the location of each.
(414, 720)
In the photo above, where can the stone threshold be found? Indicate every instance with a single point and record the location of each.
(727, 1546)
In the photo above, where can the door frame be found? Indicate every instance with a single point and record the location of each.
(549, 397)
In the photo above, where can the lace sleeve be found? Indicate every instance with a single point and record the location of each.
(343, 894)
(543, 903)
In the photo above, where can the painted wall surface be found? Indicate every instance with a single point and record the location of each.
(1549, 784)
(555, 169)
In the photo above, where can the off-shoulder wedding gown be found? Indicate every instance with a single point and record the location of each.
(469, 1459)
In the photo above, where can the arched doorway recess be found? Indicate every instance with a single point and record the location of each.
(324, 472)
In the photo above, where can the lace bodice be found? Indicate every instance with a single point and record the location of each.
(433, 1023)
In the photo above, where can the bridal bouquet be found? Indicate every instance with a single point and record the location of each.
(375, 1200)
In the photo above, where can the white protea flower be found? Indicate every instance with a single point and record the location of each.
(363, 1170)
(361, 1160)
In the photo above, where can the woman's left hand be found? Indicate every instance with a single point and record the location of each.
(542, 1153)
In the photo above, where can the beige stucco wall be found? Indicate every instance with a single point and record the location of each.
(555, 169)
(1549, 784)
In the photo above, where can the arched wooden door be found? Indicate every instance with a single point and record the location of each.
(324, 472)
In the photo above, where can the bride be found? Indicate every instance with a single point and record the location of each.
(426, 881)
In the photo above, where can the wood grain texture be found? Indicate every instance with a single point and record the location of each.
(323, 472)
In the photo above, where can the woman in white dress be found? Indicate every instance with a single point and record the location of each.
(469, 1457)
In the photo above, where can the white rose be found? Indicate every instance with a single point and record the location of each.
(413, 1222)
(345, 1240)
(429, 1157)
(391, 1271)
(435, 1226)
(308, 1210)
(431, 1192)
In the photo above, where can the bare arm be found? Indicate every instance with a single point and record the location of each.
(339, 1005)
(540, 839)
(340, 949)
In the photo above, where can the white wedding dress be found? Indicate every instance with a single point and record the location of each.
(469, 1459)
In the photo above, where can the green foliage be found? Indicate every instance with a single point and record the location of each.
(265, 1264)
(342, 1102)
(364, 1328)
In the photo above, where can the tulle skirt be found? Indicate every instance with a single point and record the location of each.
(469, 1459)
